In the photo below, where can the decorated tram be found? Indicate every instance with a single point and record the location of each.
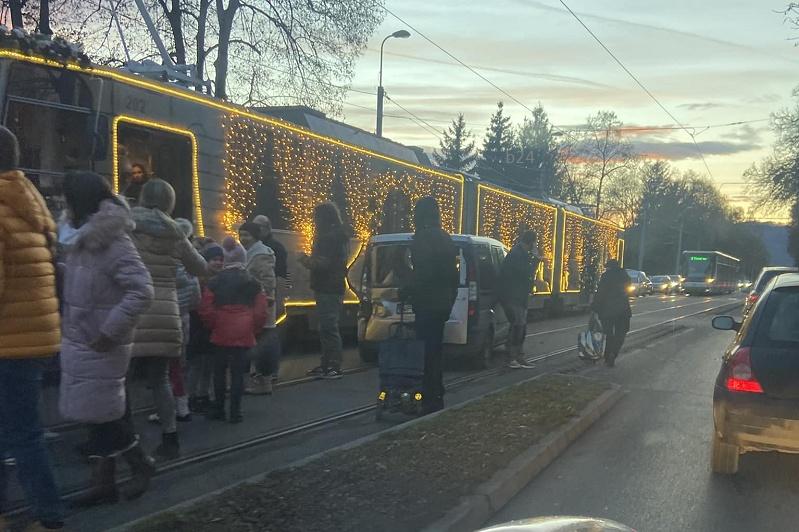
(229, 163)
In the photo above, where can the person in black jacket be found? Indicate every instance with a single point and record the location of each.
(613, 307)
(432, 291)
(515, 283)
(328, 265)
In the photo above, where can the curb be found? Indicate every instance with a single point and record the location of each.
(474, 510)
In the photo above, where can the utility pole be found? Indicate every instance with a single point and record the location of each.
(400, 34)
(679, 247)
(642, 242)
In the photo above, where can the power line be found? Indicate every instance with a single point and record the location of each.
(421, 120)
(637, 81)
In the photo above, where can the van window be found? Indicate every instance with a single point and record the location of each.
(487, 271)
(391, 266)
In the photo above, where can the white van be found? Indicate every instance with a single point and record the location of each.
(477, 323)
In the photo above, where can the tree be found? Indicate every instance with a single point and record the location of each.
(793, 234)
(497, 153)
(537, 157)
(624, 195)
(257, 52)
(457, 147)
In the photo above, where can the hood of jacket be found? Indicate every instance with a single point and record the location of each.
(18, 193)
(259, 248)
(111, 221)
(157, 225)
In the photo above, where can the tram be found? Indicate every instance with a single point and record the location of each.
(709, 272)
(229, 163)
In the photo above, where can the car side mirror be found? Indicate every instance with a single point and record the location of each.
(726, 323)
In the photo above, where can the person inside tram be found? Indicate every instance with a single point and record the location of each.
(138, 177)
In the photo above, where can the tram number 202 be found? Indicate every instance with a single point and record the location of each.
(135, 104)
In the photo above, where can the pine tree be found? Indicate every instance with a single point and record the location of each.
(497, 153)
(457, 148)
(538, 158)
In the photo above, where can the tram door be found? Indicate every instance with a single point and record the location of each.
(157, 153)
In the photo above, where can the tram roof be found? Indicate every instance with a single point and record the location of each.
(319, 123)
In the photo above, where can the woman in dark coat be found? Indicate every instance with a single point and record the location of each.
(432, 292)
(106, 290)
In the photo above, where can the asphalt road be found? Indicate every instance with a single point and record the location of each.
(646, 462)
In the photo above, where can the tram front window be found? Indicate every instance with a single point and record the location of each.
(146, 152)
(698, 266)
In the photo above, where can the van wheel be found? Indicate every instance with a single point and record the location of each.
(724, 457)
(484, 358)
(368, 354)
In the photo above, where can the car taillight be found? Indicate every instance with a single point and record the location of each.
(740, 377)
(752, 299)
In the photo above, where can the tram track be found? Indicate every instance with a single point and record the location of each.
(328, 420)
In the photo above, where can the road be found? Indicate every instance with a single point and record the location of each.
(212, 462)
(645, 463)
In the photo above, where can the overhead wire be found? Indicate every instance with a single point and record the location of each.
(640, 84)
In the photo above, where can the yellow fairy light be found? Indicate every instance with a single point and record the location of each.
(586, 238)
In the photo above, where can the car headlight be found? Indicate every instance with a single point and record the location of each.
(710, 280)
(631, 288)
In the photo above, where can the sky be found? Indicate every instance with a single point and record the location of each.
(709, 63)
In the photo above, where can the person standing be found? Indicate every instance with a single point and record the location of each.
(261, 265)
(233, 308)
(613, 308)
(432, 291)
(29, 332)
(200, 351)
(328, 265)
(515, 281)
(106, 289)
(159, 335)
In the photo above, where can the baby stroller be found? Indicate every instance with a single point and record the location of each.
(401, 369)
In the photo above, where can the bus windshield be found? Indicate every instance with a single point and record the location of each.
(698, 265)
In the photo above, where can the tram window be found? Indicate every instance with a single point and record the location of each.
(52, 142)
(55, 85)
(159, 154)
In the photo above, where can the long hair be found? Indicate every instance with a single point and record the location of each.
(84, 191)
(426, 213)
(158, 194)
(326, 216)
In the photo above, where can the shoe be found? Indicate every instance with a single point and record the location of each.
(103, 487)
(153, 418)
(216, 414)
(142, 467)
(318, 372)
(332, 374)
(259, 385)
(514, 365)
(524, 365)
(170, 447)
(10, 461)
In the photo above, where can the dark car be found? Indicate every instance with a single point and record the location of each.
(756, 397)
(662, 284)
(766, 275)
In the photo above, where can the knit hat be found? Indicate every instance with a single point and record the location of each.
(213, 251)
(251, 227)
(233, 251)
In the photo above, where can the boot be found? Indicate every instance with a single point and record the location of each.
(103, 488)
(169, 448)
(142, 467)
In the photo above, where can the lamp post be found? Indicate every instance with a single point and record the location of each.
(400, 34)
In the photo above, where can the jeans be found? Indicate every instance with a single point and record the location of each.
(236, 359)
(517, 319)
(201, 366)
(267, 353)
(21, 437)
(615, 329)
(156, 370)
(113, 437)
(328, 310)
(430, 330)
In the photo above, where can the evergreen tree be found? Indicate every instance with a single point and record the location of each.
(538, 156)
(457, 148)
(497, 155)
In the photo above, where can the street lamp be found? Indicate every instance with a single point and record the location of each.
(400, 34)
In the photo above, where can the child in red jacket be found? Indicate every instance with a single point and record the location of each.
(233, 308)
